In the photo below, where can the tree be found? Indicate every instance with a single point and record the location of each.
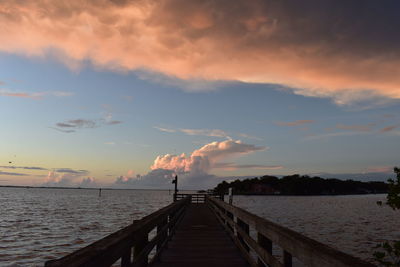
(389, 255)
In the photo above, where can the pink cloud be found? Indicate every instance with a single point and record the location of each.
(252, 41)
(384, 169)
(204, 158)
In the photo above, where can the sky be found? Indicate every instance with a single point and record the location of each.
(126, 94)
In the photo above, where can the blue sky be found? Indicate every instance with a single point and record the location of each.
(113, 94)
(153, 110)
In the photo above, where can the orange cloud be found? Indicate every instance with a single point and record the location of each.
(317, 49)
(389, 128)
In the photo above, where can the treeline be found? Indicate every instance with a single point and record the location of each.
(300, 185)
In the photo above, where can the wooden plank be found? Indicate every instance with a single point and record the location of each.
(200, 241)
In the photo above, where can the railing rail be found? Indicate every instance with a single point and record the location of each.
(196, 198)
(239, 222)
(130, 244)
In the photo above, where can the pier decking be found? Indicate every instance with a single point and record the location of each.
(201, 230)
(200, 240)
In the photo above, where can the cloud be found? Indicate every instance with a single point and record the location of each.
(233, 166)
(79, 123)
(69, 178)
(203, 159)
(192, 170)
(88, 182)
(109, 143)
(295, 123)
(71, 126)
(71, 171)
(389, 128)
(248, 136)
(334, 134)
(24, 167)
(162, 129)
(205, 132)
(380, 169)
(344, 50)
(13, 173)
(35, 95)
(361, 128)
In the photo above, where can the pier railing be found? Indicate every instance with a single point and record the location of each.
(130, 245)
(242, 225)
(196, 198)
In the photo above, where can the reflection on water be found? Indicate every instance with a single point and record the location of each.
(41, 224)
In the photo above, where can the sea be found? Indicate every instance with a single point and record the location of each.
(39, 224)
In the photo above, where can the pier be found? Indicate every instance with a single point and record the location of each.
(202, 230)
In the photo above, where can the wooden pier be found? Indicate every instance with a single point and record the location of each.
(202, 230)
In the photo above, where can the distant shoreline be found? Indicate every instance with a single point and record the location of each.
(85, 188)
(237, 194)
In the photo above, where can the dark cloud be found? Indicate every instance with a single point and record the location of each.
(73, 125)
(79, 123)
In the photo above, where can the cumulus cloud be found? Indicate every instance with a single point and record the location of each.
(69, 178)
(346, 50)
(193, 170)
(88, 182)
(203, 159)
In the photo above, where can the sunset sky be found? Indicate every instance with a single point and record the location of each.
(127, 93)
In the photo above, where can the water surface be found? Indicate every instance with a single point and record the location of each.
(41, 224)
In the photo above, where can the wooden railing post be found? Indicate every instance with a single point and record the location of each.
(140, 245)
(126, 258)
(287, 259)
(245, 227)
(164, 236)
(230, 216)
(266, 244)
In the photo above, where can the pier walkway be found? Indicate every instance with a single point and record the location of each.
(201, 230)
(200, 240)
